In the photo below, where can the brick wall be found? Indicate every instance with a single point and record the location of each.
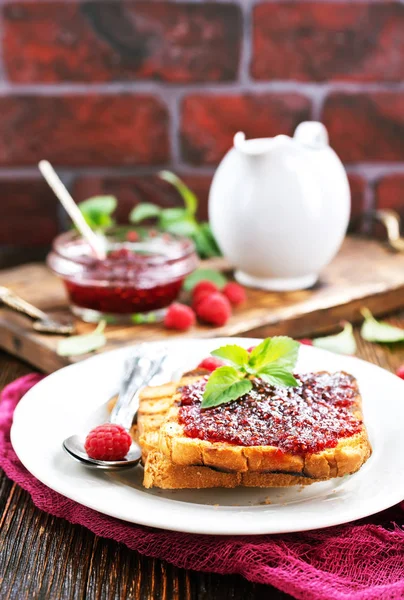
(111, 91)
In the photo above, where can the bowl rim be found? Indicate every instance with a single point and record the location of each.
(186, 246)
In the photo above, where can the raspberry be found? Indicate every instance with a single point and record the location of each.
(203, 288)
(121, 254)
(400, 372)
(214, 309)
(108, 442)
(306, 342)
(179, 316)
(132, 236)
(211, 363)
(234, 293)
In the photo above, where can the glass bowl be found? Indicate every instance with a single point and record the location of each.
(141, 275)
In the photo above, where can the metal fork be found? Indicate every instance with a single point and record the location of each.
(139, 372)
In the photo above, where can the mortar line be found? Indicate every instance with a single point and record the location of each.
(246, 44)
(242, 3)
(371, 172)
(163, 90)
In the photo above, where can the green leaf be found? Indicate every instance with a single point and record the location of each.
(235, 355)
(379, 331)
(204, 275)
(208, 231)
(188, 196)
(178, 222)
(224, 385)
(144, 210)
(97, 211)
(205, 243)
(275, 375)
(280, 349)
(82, 344)
(342, 343)
(170, 215)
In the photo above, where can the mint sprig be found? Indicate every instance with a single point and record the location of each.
(273, 361)
(179, 220)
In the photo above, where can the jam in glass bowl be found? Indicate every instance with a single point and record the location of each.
(142, 273)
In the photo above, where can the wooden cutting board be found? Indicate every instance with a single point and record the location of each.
(364, 273)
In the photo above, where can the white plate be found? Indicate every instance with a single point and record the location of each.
(62, 402)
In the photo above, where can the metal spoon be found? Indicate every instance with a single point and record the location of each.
(391, 221)
(139, 372)
(42, 322)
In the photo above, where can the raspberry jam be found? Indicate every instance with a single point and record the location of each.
(140, 274)
(304, 419)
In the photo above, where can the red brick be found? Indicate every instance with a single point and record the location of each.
(132, 190)
(29, 213)
(112, 41)
(94, 129)
(318, 41)
(357, 185)
(209, 123)
(390, 193)
(366, 127)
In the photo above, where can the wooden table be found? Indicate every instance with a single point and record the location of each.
(45, 558)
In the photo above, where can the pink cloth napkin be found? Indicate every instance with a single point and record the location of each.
(359, 561)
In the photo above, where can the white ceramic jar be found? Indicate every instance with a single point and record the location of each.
(279, 207)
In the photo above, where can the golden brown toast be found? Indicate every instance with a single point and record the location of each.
(173, 460)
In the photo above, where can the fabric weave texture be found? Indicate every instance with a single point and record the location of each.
(363, 560)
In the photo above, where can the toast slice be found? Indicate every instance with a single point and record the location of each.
(174, 460)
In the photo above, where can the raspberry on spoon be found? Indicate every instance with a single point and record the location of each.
(108, 442)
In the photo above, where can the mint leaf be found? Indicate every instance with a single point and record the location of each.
(235, 355)
(341, 343)
(82, 344)
(205, 242)
(272, 361)
(379, 331)
(280, 349)
(178, 222)
(275, 375)
(188, 196)
(170, 215)
(224, 385)
(144, 210)
(97, 211)
(204, 275)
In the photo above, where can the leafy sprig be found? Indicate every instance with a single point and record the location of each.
(180, 220)
(273, 361)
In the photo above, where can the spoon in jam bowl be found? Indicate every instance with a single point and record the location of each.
(63, 195)
(139, 372)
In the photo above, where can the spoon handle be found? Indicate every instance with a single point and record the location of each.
(43, 323)
(13, 301)
(63, 195)
(140, 371)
